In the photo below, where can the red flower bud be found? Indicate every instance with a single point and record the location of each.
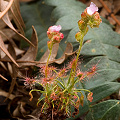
(83, 15)
(61, 36)
(49, 35)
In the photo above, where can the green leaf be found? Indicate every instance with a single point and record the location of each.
(104, 34)
(104, 90)
(102, 62)
(107, 71)
(68, 22)
(64, 2)
(94, 48)
(61, 11)
(107, 110)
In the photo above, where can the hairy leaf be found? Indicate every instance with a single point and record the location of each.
(109, 110)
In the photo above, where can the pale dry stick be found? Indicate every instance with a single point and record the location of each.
(26, 0)
(5, 94)
(3, 77)
(109, 11)
(6, 10)
(20, 61)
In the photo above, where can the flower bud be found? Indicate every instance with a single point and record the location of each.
(49, 35)
(80, 22)
(54, 35)
(83, 15)
(78, 36)
(49, 44)
(57, 38)
(61, 36)
(81, 25)
(97, 19)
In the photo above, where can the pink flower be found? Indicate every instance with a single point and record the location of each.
(92, 9)
(55, 28)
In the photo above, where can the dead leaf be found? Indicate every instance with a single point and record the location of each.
(6, 19)
(6, 34)
(2, 64)
(15, 9)
(4, 49)
(6, 8)
(68, 52)
(15, 47)
(13, 72)
(116, 6)
(11, 51)
(18, 51)
(111, 20)
(104, 12)
(2, 24)
(53, 54)
(31, 53)
(10, 68)
(96, 2)
(118, 26)
(118, 29)
(22, 106)
(5, 94)
(2, 54)
(20, 111)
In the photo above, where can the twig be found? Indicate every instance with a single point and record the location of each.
(109, 11)
(3, 77)
(19, 61)
(7, 8)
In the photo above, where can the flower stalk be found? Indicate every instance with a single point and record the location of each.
(48, 60)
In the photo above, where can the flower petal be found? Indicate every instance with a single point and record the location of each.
(92, 9)
(55, 28)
